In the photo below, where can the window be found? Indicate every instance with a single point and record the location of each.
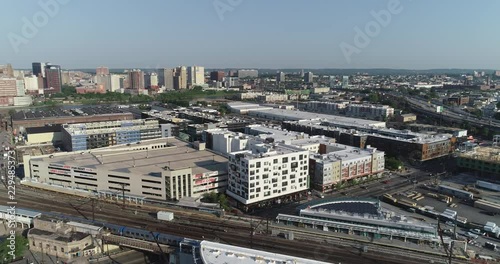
(285, 160)
(62, 249)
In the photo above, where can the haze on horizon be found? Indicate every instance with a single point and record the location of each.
(424, 34)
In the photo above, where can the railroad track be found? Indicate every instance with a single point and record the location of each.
(379, 247)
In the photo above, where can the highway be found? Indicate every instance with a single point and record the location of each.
(423, 106)
(197, 226)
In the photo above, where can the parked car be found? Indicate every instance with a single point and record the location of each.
(477, 232)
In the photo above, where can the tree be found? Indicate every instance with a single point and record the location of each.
(392, 163)
(497, 115)
(373, 98)
(12, 112)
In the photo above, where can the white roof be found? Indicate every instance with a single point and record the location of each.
(213, 253)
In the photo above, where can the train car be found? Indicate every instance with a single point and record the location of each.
(488, 186)
(389, 199)
(488, 206)
(455, 192)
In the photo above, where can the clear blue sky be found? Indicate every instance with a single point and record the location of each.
(255, 33)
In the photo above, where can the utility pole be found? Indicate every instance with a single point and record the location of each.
(93, 209)
(123, 194)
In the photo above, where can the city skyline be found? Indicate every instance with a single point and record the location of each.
(226, 34)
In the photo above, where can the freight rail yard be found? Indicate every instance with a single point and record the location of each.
(251, 233)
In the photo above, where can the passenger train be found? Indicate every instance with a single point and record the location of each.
(131, 232)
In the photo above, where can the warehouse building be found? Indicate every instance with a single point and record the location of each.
(166, 169)
(84, 136)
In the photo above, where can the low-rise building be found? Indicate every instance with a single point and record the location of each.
(63, 240)
(406, 118)
(103, 134)
(370, 111)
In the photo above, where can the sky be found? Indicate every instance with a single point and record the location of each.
(277, 34)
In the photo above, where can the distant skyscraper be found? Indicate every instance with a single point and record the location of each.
(280, 77)
(233, 73)
(65, 77)
(102, 71)
(31, 84)
(248, 74)
(309, 77)
(497, 73)
(53, 78)
(115, 82)
(104, 80)
(38, 68)
(345, 82)
(151, 80)
(136, 79)
(166, 78)
(180, 78)
(333, 81)
(217, 76)
(199, 75)
(302, 73)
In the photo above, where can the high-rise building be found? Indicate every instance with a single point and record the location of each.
(65, 77)
(497, 73)
(151, 80)
(104, 80)
(20, 87)
(302, 73)
(309, 77)
(38, 68)
(166, 78)
(180, 78)
(7, 70)
(31, 84)
(280, 77)
(136, 79)
(217, 76)
(197, 75)
(8, 87)
(102, 71)
(345, 82)
(267, 171)
(116, 82)
(233, 73)
(53, 78)
(333, 81)
(248, 74)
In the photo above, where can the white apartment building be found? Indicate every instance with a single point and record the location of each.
(369, 110)
(115, 83)
(326, 107)
(31, 84)
(267, 172)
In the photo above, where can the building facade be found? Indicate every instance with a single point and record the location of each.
(166, 169)
(102, 71)
(266, 173)
(53, 79)
(248, 74)
(103, 134)
(136, 80)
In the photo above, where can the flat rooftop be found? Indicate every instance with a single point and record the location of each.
(215, 253)
(270, 150)
(19, 211)
(488, 154)
(124, 159)
(59, 112)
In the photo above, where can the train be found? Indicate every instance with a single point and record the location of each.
(491, 207)
(126, 231)
(456, 192)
